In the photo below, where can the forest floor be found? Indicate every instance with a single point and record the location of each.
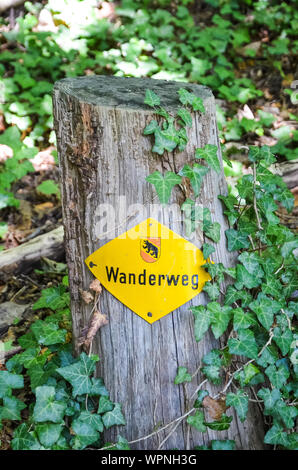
(246, 54)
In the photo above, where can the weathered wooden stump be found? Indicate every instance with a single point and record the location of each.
(104, 159)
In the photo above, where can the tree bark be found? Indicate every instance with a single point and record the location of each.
(103, 155)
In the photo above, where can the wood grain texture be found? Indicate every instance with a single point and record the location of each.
(103, 154)
(27, 255)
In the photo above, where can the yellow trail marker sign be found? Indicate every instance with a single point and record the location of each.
(150, 269)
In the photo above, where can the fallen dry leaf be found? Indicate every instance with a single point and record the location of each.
(96, 286)
(107, 10)
(43, 209)
(245, 112)
(215, 408)
(45, 22)
(44, 160)
(2, 124)
(26, 212)
(86, 296)
(5, 153)
(97, 320)
(13, 238)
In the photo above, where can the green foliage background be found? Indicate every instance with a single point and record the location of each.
(164, 39)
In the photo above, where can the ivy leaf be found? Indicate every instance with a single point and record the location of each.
(213, 365)
(38, 376)
(221, 425)
(220, 318)
(242, 320)
(199, 401)
(251, 263)
(195, 175)
(270, 397)
(164, 141)
(202, 321)
(197, 421)
(288, 247)
(262, 155)
(283, 339)
(212, 373)
(114, 417)
(152, 99)
(78, 374)
(216, 271)
(236, 239)
(46, 407)
(268, 207)
(239, 401)
(230, 201)
(9, 381)
(85, 434)
(11, 409)
(104, 405)
(23, 439)
(207, 250)
(265, 309)
(244, 279)
(285, 197)
(268, 356)
(182, 376)
(185, 115)
(276, 435)
(285, 413)
(48, 187)
(48, 333)
(233, 295)
(164, 185)
(27, 341)
(250, 371)
(277, 376)
(54, 298)
(222, 445)
(196, 102)
(292, 441)
(122, 444)
(209, 153)
(48, 433)
(151, 128)
(212, 231)
(212, 290)
(98, 387)
(244, 345)
(91, 419)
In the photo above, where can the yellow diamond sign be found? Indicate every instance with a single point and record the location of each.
(150, 269)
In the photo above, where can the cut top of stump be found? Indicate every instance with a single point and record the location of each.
(127, 93)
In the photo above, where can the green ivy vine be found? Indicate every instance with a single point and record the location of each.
(65, 407)
(258, 308)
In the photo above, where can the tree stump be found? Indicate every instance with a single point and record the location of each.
(104, 159)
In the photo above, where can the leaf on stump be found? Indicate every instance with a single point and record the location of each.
(97, 321)
(214, 407)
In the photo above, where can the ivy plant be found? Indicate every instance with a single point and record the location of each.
(68, 408)
(258, 308)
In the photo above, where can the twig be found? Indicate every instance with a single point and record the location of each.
(252, 243)
(154, 432)
(169, 435)
(244, 365)
(280, 268)
(198, 388)
(288, 319)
